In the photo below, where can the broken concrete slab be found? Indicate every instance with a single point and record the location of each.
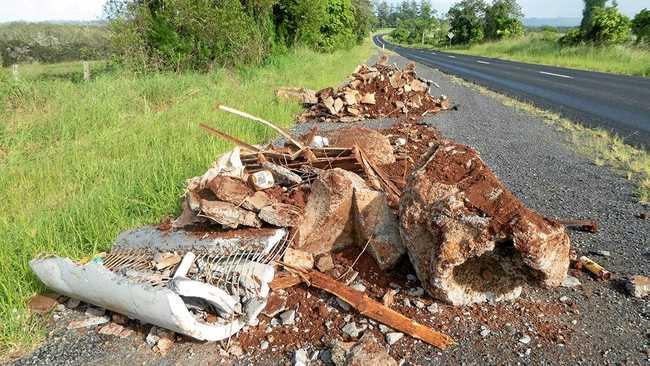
(229, 215)
(326, 219)
(281, 214)
(469, 238)
(377, 226)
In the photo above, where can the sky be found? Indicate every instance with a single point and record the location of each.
(39, 10)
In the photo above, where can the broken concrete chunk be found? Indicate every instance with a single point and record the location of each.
(377, 226)
(327, 213)
(638, 286)
(324, 262)
(89, 322)
(470, 239)
(282, 175)
(298, 258)
(41, 304)
(257, 201)
(229, 215)
(338, 105)
(368, 98)
(368, 351)
(229, 189)
(375, 145)
(281, 214)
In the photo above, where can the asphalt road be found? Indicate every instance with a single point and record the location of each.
(617, 103)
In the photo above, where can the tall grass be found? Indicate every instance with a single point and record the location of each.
(543, 48)
(80, 162)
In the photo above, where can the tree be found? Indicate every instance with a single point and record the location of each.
(641, 26)
(503, 19)
(587, 13)
(383, 15)
(608, 26)
(466, 21)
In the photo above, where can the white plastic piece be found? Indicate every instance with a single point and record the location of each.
(400, 141)
(319, 142)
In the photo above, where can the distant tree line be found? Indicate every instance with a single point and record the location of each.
(201, 34)
(48, 43)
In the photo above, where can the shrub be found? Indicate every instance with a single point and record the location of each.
(572, 37)
(641, 26)
(608, 26)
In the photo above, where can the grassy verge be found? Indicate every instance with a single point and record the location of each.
(81, 162)
(72, 70)
(600, 146)
(540, 48)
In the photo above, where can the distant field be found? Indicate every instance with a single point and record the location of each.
(81, 162)
(72, 70)
(542, 48)
(51, 43)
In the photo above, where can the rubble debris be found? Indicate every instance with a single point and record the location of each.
(298, 259)
(281, 174)
(594, 268)
(281, 214)
(469, 238)
(300, 358)
(89, 322)
(376, 311)
(367, 351)
(324, 262)
(638, 286)
(377, 226)
(389, 298)
(326, 220)
(42, 303)
(375, 92)
(115, 330)
(302, 95)
(375, 145)
(229, 215)
(393, 337)
(570, 282)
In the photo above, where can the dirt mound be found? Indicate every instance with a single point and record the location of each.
(376, 92)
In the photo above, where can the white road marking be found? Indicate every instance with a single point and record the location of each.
(452, 56)
(484, 62)
(558, 75)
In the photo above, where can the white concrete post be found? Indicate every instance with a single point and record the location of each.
(86, 71)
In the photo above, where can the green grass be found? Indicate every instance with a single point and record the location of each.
(72, 70)
(80, 162)
(543, 48)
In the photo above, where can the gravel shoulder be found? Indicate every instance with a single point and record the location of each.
(595, 323)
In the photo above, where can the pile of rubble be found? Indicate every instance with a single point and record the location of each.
(265, 218)
(377, 91)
